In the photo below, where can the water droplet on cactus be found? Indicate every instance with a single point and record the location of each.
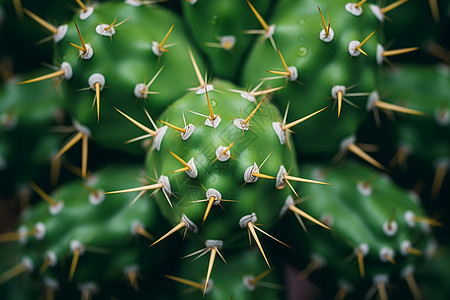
(214, 20)
(301, 38)
(302, 51)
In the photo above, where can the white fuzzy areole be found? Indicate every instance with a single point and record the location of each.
(213, 122)
(442, 116)
(28, 263)
(404, 247)
(293, 73)
(248, 96)
(52, 258)
(39, 231)
(202, 90)
(189, 131)
(62, 30)
(192, 172)
(364, 188)
(88, 53)
(239, 123)
(102, 30)
(270, 32)
(373, 97)
(189, 224)
(277, 127)
(386, 252)
(351, 8)
(247, 218)
(280, 182)
(363, 249)
(221, 156)
(86, 14)
(157, 140)
(140, 90)
(326, 38)
(288, 203)
(248, 173)
(164, 180)
(96, 78)
(214, 244)
(76, 245)
(390, 229)
(67, 70)
(56, 208)
(352, 48)
(155, 49)
(214, 193)
(227, 42)
(336, 89)
(376, 10)
(97, 198)
(380, 52)
(409, 218)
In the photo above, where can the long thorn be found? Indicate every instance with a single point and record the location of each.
(397, 108)
(287, 126)
(44, 77)
(208, 208)
(392, 6)
(210, 266)
(52, 29)
(174, 229)
(179, 159)
(197, 71)
(360, 256)
(13, 272)
(43, 194)
(173, 126)
(258, 16)
(250, 116)
(399, 51)
(359, 152)
(137, 189)
(211, 113)
(288, 177)
(412, 284)
(82, 6)
(84, 155)
(255, 236)
(297, 210)
(73, 266)
(187, 282)
(325, 27)
(363, 42)
(146, 129)
(161, 45)
(360, 3)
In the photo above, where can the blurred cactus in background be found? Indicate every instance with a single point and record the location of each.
(224, 149)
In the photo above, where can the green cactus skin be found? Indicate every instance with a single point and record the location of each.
(320, 66)
(218, 28)
(227, 177)
(101, 228)
(27, 114)
(130, 51)
(358, 207)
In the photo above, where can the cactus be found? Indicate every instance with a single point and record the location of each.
(222, 121)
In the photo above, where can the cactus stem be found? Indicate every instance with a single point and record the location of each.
(52, 29)
(413, 287)
(82, 6)
(300, 212)
(390, 7)
(287, 126)
(146, 129)
(360, 3)
(187, 282)
(173, 230)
